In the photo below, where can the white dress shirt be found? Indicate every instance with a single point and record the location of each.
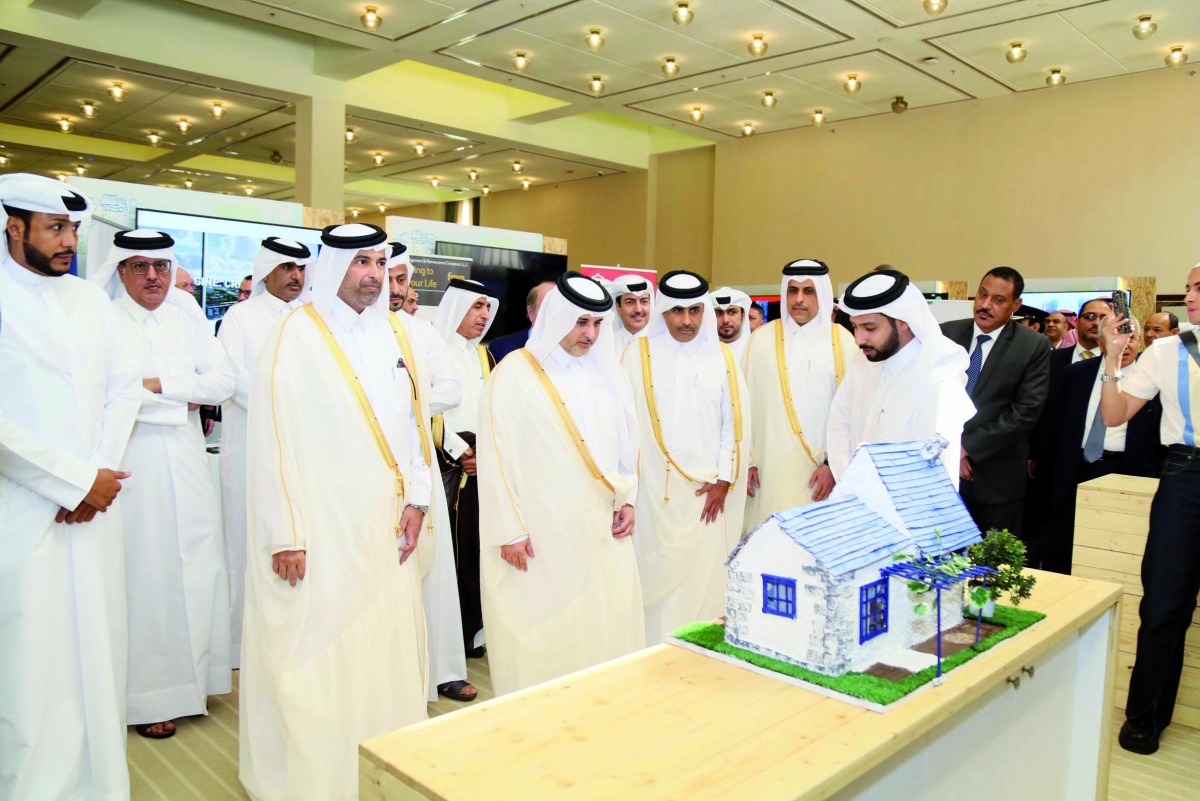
(1114, 436)
(976, 333)
(1079, 350)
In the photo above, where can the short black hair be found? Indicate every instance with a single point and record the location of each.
(1173, 320)
(24, 215)
(1106, 301)
(1010, 275)
(248, 278)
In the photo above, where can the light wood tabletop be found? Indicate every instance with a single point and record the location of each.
(670, 723)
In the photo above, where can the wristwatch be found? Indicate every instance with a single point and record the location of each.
(420, 508)
(1105, 378)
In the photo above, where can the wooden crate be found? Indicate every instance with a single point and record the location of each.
(1112, 519)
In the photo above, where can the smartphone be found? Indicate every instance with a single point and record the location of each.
(1121, 309)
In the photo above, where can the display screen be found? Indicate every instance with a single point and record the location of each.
(510, 274)
(219, 253)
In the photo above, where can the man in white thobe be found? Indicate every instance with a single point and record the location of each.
(439, 588)
(695, 435)
(277, 280)
(177, 585)
(634, 298)
(732, 307)
(912, 385)
(557, 484)
(67, 404)
(333, 648)
(793, 367)
(464, 317)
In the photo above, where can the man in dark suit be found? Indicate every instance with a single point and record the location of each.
(1084, 448)
(502, 346)
(1007, 378)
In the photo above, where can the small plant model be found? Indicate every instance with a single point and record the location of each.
(1003, 552)
(952, 567)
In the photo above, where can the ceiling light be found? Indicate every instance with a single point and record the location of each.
(682, 14)
(88, 109)
(473, 175)
(419, 148)
(249, 190)
(1145, 27)
(697, 114)
(525, 182)
(117, 92)
(757, 46)
(1015, 54)
(1056, 77)
(65, 125)
(818, 117)
(378, 159)
(935, 7)
(595, 40)
(899, 105)
(183, 125)
(354, 213)
(371, 19)
(217, 110)
(670, 67)
(1176, 58)
(769, 100)
(486, 189)
(434, 182)
(382, 208)
(520, 62)
(188, 183)
(62, 176)
(4, 160)
(747, 129)
(596, 84)
(517, 166)
(80, 169)
(351, 136)
(852, 84)
(155, 137)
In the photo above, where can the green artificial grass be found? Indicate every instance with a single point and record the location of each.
(711, 636)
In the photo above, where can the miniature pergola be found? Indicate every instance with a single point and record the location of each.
(929, 571)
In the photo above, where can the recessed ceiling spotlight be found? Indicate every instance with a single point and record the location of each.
(1015, 53)
(486, 189)
(595, 40)
(354, 213)
(351, 136)
(818, 117)
(4, 160)
(525, 183)
(757, 46)
(88, 109)
(188, 183)
(747, 129)
(155, 137)
(769, 100)
(596, 84)
(1145, 27)
(117, 92)
(935, 7)
(682, 14)
(419, 148)
(377, 158)
(473, 175)
(517, 166)
(697, 114)
(217, 109)
(520, 62)
(184, 125)
(80, 169)
(371, 19)
(670, 67)
(1176, 58)
(434, 181)
(852, 84)
(65, 125)
(899, 105)
(1056, 77)
(249, 190)
(382, 208)
(62, 176)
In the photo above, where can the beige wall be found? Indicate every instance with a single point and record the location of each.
(602, 219)
(1095, 179)
(422, 211)
(681, 195)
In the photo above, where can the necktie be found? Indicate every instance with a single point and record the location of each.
(976, 365)
(1093, 448)
(1087, 354)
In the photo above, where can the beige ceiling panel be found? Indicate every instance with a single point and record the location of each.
(1051, 41)
(399, 16)
(795, 103)
(883, 78)
(551, 62)
(912, 12)
(1110, 25)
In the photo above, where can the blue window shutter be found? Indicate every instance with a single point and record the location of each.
(779, 596)
(872, 610)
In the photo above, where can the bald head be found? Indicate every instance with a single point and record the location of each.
(533, 301)
(184, 281)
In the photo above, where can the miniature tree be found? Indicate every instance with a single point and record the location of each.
(1003, 552)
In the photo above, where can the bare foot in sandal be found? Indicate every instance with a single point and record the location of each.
(156, 731)
(458, 690)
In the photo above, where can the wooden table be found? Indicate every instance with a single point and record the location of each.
(1027, 719)
(1112, 519)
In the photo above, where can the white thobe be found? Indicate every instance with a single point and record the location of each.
(681, 560)
(898, 400)
(622, 339)
(739, 346)
(340, 657)
(464, 358)
(178, 588)
(243, 331)
(67, 403)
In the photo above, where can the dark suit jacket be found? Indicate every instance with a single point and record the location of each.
(1009, 397)
(1068, 419)
(502, 346)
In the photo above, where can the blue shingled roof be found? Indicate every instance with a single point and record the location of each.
(841, 535)
(924, 497)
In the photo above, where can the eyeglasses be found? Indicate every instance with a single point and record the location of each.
(1090, 316)
(141, 268)
(243, 293)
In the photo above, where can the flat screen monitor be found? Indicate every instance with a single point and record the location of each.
(1070, 301)
(510, 274)
(218, 252)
